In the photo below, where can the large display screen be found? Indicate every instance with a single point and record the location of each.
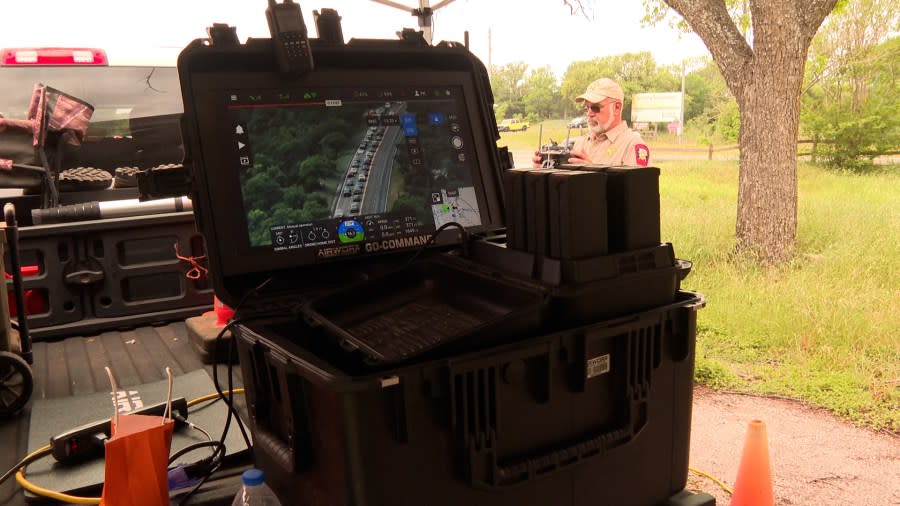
(309, 172)
(320, 168)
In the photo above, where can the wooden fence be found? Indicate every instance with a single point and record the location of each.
(711, 149)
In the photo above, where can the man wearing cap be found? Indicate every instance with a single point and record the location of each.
(609, 141)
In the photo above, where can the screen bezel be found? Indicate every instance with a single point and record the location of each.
(208, 91)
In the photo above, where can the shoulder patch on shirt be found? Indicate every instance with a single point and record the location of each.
(642, 154)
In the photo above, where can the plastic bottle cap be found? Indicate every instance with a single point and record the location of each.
(252, 477)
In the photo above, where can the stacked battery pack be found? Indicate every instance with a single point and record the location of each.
(591, 234)
(582, 211)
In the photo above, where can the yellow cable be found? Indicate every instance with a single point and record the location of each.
(52, 494)
(74, 499)
(214, 395)
(717, 481)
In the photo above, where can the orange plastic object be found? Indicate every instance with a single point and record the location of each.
(753, 485)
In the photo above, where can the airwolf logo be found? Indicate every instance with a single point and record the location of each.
(338, 251)
(403, 242)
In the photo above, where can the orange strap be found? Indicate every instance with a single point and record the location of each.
(196, 269)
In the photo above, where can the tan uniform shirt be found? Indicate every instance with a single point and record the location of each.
(618, 146)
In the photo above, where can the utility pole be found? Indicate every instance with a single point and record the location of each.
(490, 51)
(681, 115)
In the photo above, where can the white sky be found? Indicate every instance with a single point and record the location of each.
(537, 32)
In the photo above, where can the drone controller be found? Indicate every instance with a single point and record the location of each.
(554, 155)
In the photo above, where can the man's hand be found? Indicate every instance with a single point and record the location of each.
(579, 158)
(536, 159)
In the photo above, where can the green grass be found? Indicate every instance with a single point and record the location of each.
(554, 129)
(826, 327)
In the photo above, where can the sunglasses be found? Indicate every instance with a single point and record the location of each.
(595, 108)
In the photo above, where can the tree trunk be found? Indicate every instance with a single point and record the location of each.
(767, 187)
(765, 79)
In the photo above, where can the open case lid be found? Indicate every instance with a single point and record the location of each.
(309, 179)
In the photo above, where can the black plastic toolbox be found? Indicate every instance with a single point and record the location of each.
(599, 414)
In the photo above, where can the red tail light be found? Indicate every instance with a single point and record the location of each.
(53, 56)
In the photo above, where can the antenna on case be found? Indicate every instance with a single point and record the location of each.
(328, 26)
(289, 37)
(221, 34)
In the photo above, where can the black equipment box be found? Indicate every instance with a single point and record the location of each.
(386, 359)
(599, 414)
(595, 288)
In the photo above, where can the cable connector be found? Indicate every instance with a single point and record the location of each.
(179, 479)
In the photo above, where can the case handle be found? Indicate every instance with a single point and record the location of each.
(632, 372)
(538, 466)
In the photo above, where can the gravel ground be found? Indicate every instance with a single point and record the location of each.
(815, 458)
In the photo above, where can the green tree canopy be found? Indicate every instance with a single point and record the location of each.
(851, 103)
(635, 72)
(507, 83)
(541, 94)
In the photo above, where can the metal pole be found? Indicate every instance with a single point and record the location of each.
(424, 13)
(425, 20)
(681, 115)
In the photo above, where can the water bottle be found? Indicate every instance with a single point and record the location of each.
(255, 492)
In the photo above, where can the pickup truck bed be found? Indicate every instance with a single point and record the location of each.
(74, 366)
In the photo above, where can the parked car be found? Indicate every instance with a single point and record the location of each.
(579, 122)
(512, 125)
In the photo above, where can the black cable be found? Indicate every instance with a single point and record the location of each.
(195, 446)
(219, 452)
(28, 459)
(229, 399)
(183, 500)
(433, 237)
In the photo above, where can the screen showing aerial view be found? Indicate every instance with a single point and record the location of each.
(384, 167)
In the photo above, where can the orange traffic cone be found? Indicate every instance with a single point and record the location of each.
(223, 312)
(753, 486)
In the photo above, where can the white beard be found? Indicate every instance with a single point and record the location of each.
(598, 129)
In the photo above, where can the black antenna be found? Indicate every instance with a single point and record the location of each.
(328, 26)
(289, 38)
